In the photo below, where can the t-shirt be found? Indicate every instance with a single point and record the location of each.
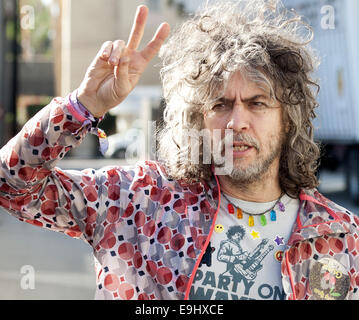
(243, 262)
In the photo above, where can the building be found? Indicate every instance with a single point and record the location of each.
(84, 26)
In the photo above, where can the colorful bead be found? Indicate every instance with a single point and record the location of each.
(239, 213)
(281, 206)
(251, 221)
(263, 220)
(273, 216)
(230, 208)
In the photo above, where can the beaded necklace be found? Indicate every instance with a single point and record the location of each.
(261, 215)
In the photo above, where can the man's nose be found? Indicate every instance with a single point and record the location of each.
(239, 119)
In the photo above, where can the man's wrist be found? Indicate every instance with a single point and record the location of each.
(80, 112)
(87, 104)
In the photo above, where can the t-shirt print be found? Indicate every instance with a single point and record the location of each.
(243, 262)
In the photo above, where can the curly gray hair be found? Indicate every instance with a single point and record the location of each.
(267, 42)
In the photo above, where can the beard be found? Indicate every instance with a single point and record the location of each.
(255, 171)
(248, 174)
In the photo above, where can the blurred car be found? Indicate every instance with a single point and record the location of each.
(125, 145)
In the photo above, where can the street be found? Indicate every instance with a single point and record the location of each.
(64, 267)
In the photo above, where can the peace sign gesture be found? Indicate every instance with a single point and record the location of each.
(117, 67)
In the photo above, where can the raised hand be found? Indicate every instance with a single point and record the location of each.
(118, 66)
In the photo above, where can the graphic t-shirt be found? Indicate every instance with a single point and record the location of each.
(242, 261)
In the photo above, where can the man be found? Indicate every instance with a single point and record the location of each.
(233, 70)
(230, 250)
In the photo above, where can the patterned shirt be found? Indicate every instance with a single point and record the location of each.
(148, 232)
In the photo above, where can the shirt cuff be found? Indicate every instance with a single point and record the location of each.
(81, 114)
(79, 111)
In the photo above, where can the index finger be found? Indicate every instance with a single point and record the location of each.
(137, 28)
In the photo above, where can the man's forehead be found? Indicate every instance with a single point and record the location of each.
(247, 87)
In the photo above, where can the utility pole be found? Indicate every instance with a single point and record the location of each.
(15, 54)
(2, 75)
(8, 68)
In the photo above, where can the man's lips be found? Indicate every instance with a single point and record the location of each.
(241, 146)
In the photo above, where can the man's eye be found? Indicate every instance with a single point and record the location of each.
(219, 106)
(257, 104)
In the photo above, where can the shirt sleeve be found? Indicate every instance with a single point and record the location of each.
(33, 189)
(79, 111)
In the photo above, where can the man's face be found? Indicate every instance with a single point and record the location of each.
(237, 236)
(257, 127)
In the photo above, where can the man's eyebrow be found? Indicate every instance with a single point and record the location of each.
(256, 97)
(252, 98)
(225, 100)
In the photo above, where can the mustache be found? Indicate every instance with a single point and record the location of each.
(229, 140)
